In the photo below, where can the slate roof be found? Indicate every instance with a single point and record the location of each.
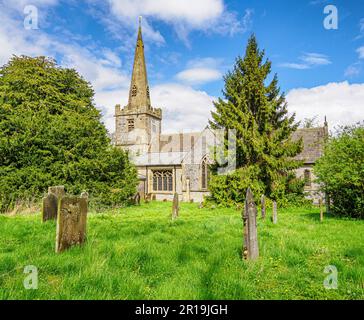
(159, 159)
(313, 141)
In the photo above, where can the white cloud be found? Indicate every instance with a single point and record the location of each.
(199, 75)
(360, 52)
(308, 61)
(200, 71)
(20, 4)
(184, 16)
(184, 109)
(192, 12)
(342, 103)
(353, 70)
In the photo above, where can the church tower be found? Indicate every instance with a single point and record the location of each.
(138, 123)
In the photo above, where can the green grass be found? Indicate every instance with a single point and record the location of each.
(139, 253)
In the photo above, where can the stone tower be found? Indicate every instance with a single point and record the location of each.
(138, 123)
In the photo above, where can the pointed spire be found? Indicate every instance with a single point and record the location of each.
(139, 98)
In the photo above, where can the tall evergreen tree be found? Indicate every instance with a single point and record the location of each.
(257, 110)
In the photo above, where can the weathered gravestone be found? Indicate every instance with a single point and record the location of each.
(137, 199)
(175, 207)
(50, 203)
(58, 191)
(50, 207)
(275, 214)
(71, 222)
(262, 201)
(84, 194)
(250, 246)
(321, 210)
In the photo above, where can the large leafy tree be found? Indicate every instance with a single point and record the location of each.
(341, 171)
(51, 133)
(257, 110)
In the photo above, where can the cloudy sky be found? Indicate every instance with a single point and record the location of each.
(191, 44)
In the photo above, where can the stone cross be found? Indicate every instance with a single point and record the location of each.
(50, 203)
(175, 207)
(275, 214)
(71, 222)
(321, 210)
(262, 200)
(250, 246)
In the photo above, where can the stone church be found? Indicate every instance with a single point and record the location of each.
(169, 163)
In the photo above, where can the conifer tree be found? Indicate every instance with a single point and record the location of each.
(257, 110)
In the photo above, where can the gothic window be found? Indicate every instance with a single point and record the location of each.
(148, 93)
(134, 91)
(204, 173)
(162, 180)
(131, 125)
(307, 178)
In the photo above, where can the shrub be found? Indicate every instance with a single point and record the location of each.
(341, 171)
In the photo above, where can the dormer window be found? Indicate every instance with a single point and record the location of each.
(134, 91)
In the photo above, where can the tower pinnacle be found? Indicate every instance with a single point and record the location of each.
(139, 98)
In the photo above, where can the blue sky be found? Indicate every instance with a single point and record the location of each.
(190, 44)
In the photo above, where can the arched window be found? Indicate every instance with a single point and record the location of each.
(307, 178)
(162, 180)
(204, 173)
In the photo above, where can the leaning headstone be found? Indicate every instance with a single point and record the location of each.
(275, 214)
(49, 207)
(137, 199)
(71, 222)
(250, 246)
(321, 210)
(262, 201)
(175, 207)
(58, 191)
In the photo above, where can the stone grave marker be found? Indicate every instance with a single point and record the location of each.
(175, 206)
(71, 222)
(58, 191)
(50, 203)
(262, 201)
(137, 199)
(321, 211)
(250, 246)
(49, 207)
(275, 214)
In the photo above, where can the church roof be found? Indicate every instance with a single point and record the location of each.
(159, 159)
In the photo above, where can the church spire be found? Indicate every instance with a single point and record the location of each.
(139, 98)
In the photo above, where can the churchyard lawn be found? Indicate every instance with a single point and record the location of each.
(140, 253)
